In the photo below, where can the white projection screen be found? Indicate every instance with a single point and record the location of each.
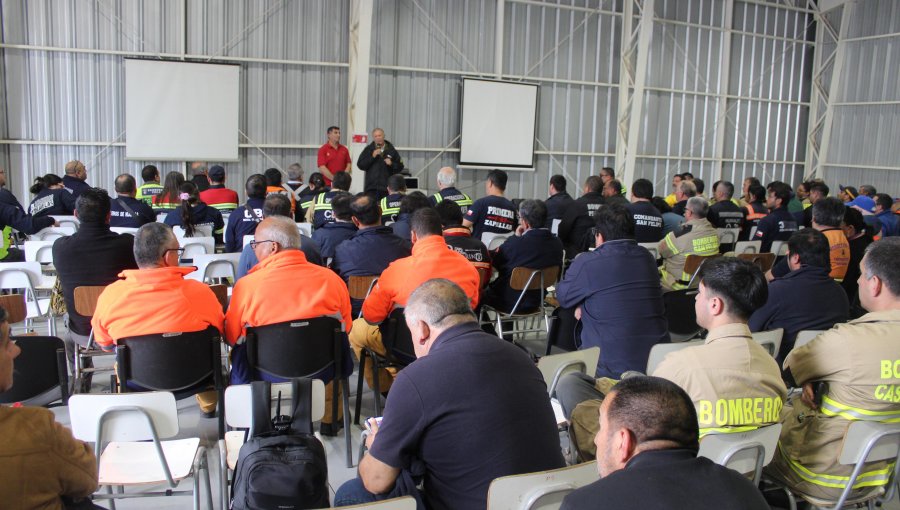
(181, 111)
(499, 121)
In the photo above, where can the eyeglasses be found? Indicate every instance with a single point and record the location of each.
(179, 250)
(254, 244)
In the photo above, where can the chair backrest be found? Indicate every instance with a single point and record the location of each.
(779, 248)
(124, 230)
(14, 304)
(744, 452)
(161, 217)
(554, 226)
(238, 402)
(748, 247)
(659, 351)
(404, 503)
(764, 261)
(70, 220)
(170, 361)
(194, 246)
(728, 235)
(20, 275)
(199, 231)
(360, 286)
(554, 366)
(52, 233)
(86, 298)
(298, 348)
(543, 490)
(305, 229)
(214, 265)
(653, 248)
(493, 240)
(39, 251)
(692, 265)
(680, 314)
(523, 278)
(806, 336)
(86, 409)
(221, 292)
(397, 339)
(865, 442)
(40, 369)
(771, 339)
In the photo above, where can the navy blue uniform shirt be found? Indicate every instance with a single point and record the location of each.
(778, 225)
(648, 222)
(202, 215)
(74, 186)
(556, 206)
(368, 252)
(577, 221)
(330, 235)
(51, 202)
(242, 222)
(536, 249)
(120, 216)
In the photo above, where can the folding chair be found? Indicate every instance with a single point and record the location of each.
(182, 363)
(305, 229)
(42, 376)
(543, 490)
(554, 226)
(239, 403)
(124, 230)
(404, 503)
(133, 425)
(39, 251)
(14, 304)
(554, 366)
(221, 292)
(199, 231)
(493, 240)
(748, 247)
(27, 275)
(86, 304)
(764, 261)
(771, 340)
(303, 348)
(681, 315)
(864, 442)
(524, 279)
(692, 266)
(659, 351)
(399, 352)
(728, 236)
(744, 452)
(52, 233)
(806, 336)
(360, 287)
(779, 248)
(67, 221)
(194, 246)
(214, 266)
(653, 248)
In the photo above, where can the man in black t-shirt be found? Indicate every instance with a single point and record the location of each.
(725, 213)
(648, 221)
(493, 213)
(558, 201)
(579, 218)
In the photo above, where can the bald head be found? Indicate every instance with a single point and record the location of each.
(446, 177)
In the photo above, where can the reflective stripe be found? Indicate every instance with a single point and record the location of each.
(321, 205)
(224, 206)
(669, 242)
(727, 430)
(7, 241)
(438, 197)
(830, 407)
(868, 479)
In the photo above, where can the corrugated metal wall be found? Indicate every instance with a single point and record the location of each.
(866, 125)
(420, 49)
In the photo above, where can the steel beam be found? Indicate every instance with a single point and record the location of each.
(358, 80)
(722, 103)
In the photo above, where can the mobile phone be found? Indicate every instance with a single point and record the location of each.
(369, 421)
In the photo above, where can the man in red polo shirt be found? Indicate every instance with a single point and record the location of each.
(333, 157)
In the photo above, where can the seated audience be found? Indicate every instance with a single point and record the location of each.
(431, 258)
(308, 195)
(319, 212)
(647, 456)
(729, 369)
(51, 197)
(613, 193)
(676, 184)
(804, 298)
(126, 210)
(828, 216)
(170, 197)
(685, 190)
(558, 201)
(648, 221)
(147, 192)
(746, 196)
(779, 224)
(274, 185)
(617, 294)
(372, 248)
(266, 296)
(408, 205)
(532, 247)
(198, 175)
(390, 205)
(493, 213)
(278, 205)
(75, 178)
(756, 210)
(847, 373)
(817, 191)
(671, 221)
(94, 255)
(299, 190)
(696, 237)
(45, 467)
(432, 402)
(196, 218)
(864, 200)
(244, 219)
(460, 239)
(574, 229)
(446, 181)
(725, 213)
(156, 298)
(859, 237)
(890, 222)
(333, 233)
(217, 195)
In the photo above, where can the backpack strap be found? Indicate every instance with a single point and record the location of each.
(261, 407)
(301, 422)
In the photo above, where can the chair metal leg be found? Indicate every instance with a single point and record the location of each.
(112, 502)
(223, 474)
(206, 481)
(376, 382)
(345, 383)
(359, 385)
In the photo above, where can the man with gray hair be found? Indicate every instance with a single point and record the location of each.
(446, 181)
(429, 414)
(695, 237)
(684, 191)
(283, 287)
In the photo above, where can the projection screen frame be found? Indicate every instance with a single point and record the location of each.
(482, 165)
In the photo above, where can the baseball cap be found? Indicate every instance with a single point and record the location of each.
(216, 173)
(850, 191)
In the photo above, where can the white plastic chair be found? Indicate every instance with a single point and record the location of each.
(239, 415)
(493, 240)
(747, 247)
(28, 276)
(124, 230)
(728, 235)
(653, 248)
(779, 248)
(134, 424)
(197, 246)
(199, 231)
(543, 490)
(39, 251)
(52, 233)
(554, 226)
(554, 366)
(806, 336)
(63, 221)
(305, 229)
(744, 452)
(404, 503)
(659, 351)
(215, 265)
(771, 340)
(248, 239)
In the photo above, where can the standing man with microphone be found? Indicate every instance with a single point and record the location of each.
(379, 160)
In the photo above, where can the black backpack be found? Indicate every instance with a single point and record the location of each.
(282, 465)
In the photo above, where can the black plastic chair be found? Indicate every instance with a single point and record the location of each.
(681, 315)
(302, 348)
(183, 363)
(41, 374)
(398, 346)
